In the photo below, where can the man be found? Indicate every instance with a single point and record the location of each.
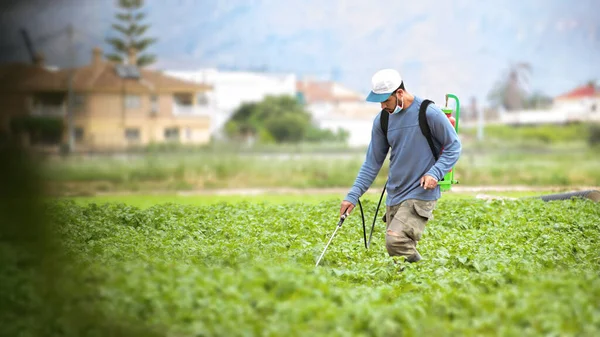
(414, 173)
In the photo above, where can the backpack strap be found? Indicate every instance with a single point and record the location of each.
(425, 126)
(384, 118)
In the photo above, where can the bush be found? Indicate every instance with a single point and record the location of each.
(47, 130)
(280, 119)
(594, 135)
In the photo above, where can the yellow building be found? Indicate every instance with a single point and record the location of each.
(113, 106)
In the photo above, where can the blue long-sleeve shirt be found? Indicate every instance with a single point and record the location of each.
(410, 156)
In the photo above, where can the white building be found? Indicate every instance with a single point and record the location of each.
(582, 103)
(233, 88)
(579, 104)
(335, 107)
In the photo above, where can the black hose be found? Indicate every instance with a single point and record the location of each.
(362, 215)
(593, 195)
(368, 244)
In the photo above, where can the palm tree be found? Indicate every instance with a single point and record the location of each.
(511, 90)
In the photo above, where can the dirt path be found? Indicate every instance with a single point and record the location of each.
(455, 189)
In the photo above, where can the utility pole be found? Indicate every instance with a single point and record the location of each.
(28, 44)
(71, 127)
(480, 121)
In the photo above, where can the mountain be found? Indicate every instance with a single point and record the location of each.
(456, 46)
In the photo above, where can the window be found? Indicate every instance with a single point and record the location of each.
(183, 99)
(202, 99)
(132, 135)
(132, 101)
(50, 99)
(49, 104)
(172, 133)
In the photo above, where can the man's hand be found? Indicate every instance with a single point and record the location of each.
(346, 207)
(428, 182)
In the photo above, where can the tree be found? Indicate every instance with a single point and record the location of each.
(511, 90)
(538, 100)
(593, 83)
(287, 128)
(281, 119)
(131, 30)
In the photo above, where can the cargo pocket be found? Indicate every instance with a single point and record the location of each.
(421, 213)
(424, 208)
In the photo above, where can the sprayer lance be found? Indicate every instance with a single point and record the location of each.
(342, 218)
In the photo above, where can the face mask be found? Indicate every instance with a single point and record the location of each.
(398, 108)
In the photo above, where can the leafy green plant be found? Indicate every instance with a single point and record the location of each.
(521, 267)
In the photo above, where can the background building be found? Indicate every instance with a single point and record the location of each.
(113, 107)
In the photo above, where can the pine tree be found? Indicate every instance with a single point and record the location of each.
(131, 30)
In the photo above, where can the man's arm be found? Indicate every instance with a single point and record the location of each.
(443, 131)
(376, 153)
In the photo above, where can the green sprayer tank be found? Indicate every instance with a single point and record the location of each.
(449, 180)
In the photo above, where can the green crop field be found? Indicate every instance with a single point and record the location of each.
(564, 160)
(509, 268)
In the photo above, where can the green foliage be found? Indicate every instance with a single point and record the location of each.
(316, 134)
(132, 31)
(535, 134)
(299, 168)
(286, 127)
(537, 100)
(594, 135)
(41, 129)
(265, 137)
(281, 119)
(525, 268)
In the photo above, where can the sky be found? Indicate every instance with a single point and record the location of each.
(459, 46)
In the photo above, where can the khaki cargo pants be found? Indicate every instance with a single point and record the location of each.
(405, 225)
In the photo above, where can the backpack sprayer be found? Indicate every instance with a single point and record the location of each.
(445, 184)
(448, 180)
